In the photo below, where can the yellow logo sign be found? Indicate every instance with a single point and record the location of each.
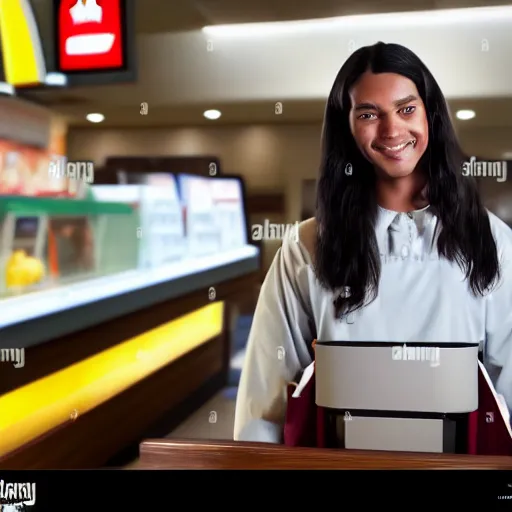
(22, 52)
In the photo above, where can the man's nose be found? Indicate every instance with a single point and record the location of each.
(389, 127)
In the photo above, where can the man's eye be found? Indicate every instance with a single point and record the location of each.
(408, 110)
(366, 116)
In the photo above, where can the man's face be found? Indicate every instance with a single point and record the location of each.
(389, 123)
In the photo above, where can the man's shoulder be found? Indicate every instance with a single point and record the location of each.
(502, 234)
(308, 235)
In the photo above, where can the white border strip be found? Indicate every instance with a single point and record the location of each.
(36, 304)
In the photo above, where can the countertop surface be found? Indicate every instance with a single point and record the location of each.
(40, 316)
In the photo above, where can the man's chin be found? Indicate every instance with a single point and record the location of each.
(394, 172)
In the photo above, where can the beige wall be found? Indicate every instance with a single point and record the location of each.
(271, 158)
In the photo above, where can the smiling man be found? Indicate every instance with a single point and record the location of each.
(404, 232)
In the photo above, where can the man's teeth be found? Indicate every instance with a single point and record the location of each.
(399, 147)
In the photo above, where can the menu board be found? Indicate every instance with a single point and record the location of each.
(90, 36)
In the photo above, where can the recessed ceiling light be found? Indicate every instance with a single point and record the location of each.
(464, 115)
(212, 114)
(507, 155)
(7, 89)
(95, 118)
(56, 79)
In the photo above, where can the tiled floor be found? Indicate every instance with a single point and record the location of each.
(215, 419)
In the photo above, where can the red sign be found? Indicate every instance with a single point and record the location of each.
(90, 34)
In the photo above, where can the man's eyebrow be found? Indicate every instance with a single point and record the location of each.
(405, 100)
(397, 103)
(365, 106)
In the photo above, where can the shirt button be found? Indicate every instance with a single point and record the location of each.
(405, 251)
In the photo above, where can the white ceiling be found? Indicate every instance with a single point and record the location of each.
(247, 73)
(180, 15)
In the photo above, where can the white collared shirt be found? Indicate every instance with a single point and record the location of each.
(421, 298)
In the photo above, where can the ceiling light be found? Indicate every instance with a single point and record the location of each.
(507, 155)
(95, 118)
(464, 115)
(212, 114)
(7, 89)
(418, 18)
(56, 79)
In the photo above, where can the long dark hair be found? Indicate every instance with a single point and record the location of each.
(347, 254)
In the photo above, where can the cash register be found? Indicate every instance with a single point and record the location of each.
(412, 397)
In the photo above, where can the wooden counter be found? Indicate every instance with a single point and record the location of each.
(173, 454)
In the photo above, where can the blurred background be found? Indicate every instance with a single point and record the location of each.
(130, 291)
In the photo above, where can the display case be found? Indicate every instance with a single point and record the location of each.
(47, 243)
(158, 230)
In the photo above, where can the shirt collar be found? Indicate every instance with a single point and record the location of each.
(386, 218)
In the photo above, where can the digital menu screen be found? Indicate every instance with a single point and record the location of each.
(90, 35)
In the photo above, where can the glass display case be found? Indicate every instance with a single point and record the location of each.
(181, 218)
(45, 243)
(158, 229)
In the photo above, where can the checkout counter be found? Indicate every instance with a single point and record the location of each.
(114, 314)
